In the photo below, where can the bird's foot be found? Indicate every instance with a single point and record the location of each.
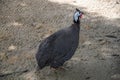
(63, 68)
(59, 68)
(37, 70)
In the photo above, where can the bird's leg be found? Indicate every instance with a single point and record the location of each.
(53, 69)
(37, 69)
(63, 68)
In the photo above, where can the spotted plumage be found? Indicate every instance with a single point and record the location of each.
(60, 46)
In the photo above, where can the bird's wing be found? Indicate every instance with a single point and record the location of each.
(62, 57)
(45, 50)
(63, 45)
(48, 44)
(65, 55)
(64, 49)
(69, 54)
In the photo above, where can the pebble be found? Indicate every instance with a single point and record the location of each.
(116, 76)
(12, 47)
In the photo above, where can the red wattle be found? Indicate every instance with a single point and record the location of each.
(80, 16)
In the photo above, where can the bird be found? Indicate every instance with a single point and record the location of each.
(60, 46)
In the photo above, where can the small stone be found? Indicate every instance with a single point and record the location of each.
(87, 43)
(16, 24)
(12, 47)
(23, 4)
(116, 76)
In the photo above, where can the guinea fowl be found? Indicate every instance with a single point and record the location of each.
(60, 46)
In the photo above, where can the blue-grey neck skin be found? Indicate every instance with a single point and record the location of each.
(76, 17)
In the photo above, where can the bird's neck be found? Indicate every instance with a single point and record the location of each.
(76, 27)
(76, 24)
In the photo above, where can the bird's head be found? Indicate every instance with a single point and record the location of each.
(77, 15)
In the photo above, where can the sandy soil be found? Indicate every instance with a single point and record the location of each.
(24, 23)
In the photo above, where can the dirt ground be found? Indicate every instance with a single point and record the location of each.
(24, 23)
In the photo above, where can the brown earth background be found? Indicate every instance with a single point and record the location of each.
(25, 23)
